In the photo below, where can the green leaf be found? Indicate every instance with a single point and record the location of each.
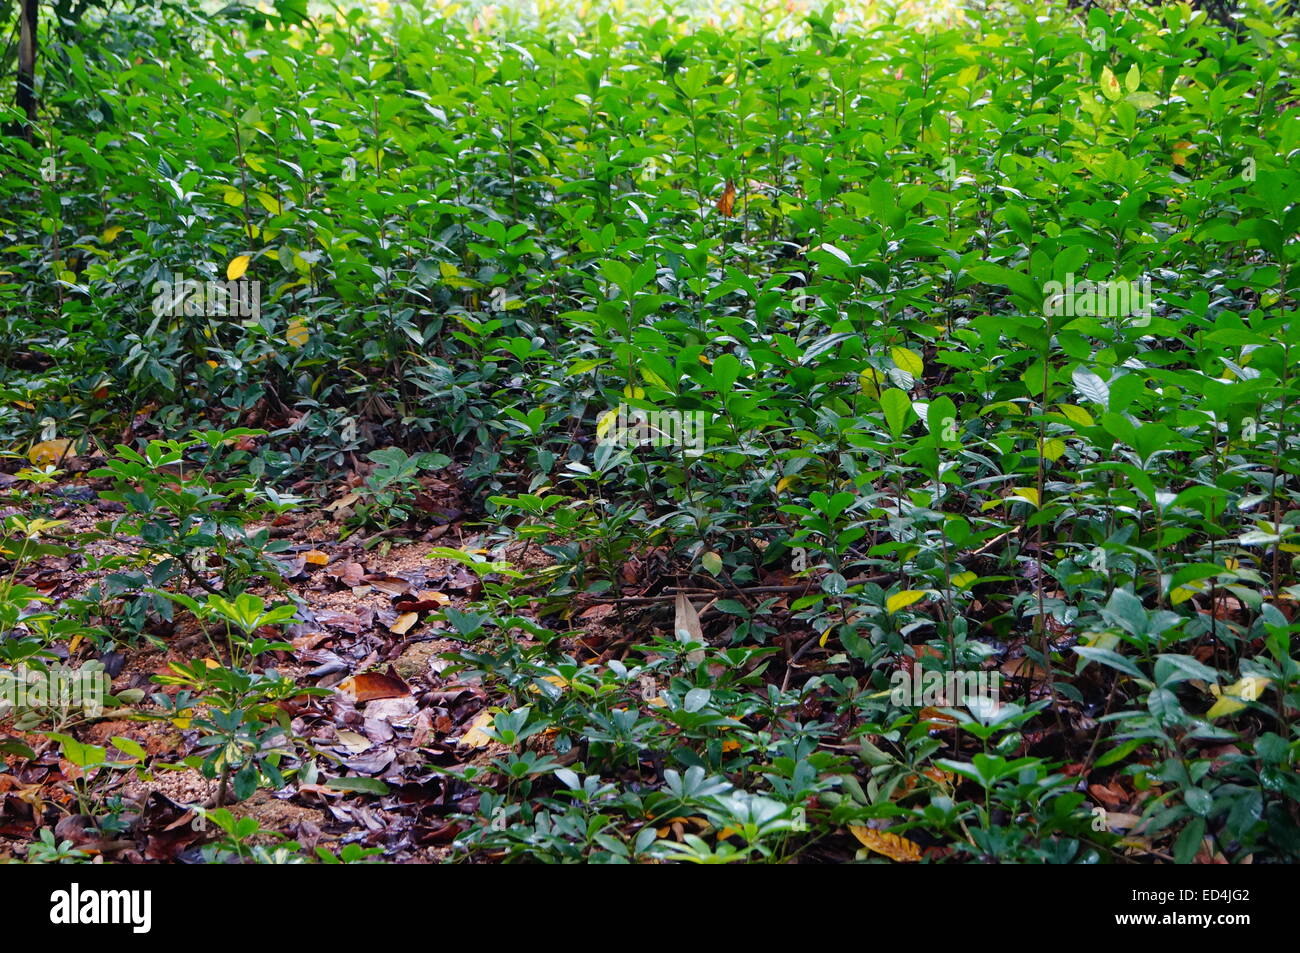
(364, 785)
(129, 747)
(895, 403)
(1091, 386)
(1110, 85)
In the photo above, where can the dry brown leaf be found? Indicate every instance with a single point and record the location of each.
(353, 741)
(343, 501)
(393, 585)
(424, 600)
(937, 717)
(371, 685)
(348, 572)
(688, 620)
(727, 204)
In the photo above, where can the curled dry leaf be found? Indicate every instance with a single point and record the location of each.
(687, 627)
(727, 203)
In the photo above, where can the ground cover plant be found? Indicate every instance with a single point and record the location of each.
(766, 433)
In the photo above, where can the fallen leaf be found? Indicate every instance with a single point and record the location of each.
(476, 736)
(371, 685)
(424, 601)
(891, 845)
(345, 500)
(393, 585)
(50, 452)
(935, 716)
(354, 742)
(348, 572)
(404, 623)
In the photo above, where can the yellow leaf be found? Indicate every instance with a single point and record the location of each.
(1250, 687)
(33, 528)
(235, 270)
(1077, 415)
(870, 381)
(296, 333)
(269, 202)
(1227, 705)
(896, 848)
(233, 197)
(404, 623)
(110, 233)
(316, 558)
(555, 680)
(1109, 84)
(901, 600)
(605, 422)
(905, 359)
(1053, 449)
(784, 483)
(650, 377)
(964, 579)
(1026, 493)
(1234, 698)
(49, 452)
(476, 737)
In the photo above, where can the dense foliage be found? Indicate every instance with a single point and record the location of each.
(987, 325)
